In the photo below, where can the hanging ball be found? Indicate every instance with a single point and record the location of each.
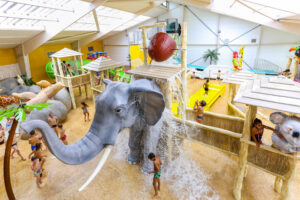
(161, 47)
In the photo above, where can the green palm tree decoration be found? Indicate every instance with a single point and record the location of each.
(20, 115)
(212, 55)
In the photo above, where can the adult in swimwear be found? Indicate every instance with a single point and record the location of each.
(53, 121)
(157, 172)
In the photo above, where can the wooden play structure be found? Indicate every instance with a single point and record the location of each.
(293, 74)
(235, 79)
(98, 70)
(80, 79)
(278, 94)
(229, 134)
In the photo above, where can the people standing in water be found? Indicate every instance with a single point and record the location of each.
(53, 121)
(157, 172)
(85, 111)
(206, 87)
(62, 134)
(199, 107)
(15, 148)
(257, 131)
(37, 170)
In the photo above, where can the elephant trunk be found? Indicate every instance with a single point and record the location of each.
(82, 151)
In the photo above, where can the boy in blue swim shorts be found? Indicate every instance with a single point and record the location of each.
(157, 171)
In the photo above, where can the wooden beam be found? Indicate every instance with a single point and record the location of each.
(96, 20)
(51, 31)
(100, 35)
(161, 24)
(42, 5)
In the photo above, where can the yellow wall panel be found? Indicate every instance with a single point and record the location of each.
(98, 46)
(7, 57)
(38, 59)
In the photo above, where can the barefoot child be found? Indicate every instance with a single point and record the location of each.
(199, 107)
(15, 148)
(85, 111)
(39, 154)
(206, 87)
(258, 131)
(157, 171)
(62, 134)
(37, 170)
(53, 121)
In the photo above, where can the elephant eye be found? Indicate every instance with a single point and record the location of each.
(118, 110)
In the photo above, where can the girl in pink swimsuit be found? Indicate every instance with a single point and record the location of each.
(257, 131)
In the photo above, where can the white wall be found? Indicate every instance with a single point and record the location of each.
(271, 44)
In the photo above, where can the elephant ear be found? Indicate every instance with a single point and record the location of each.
(278, 117)
(151, 103)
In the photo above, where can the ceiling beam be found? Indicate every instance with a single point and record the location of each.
(100, 35)
(67, 21)
(96, 20)
(39, 4)
(22, 16)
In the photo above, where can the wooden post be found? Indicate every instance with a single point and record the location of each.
(145, 46)
(60, 67)
(295, 69)
(238, 185)
(183, 66)
(278, 184)
(81, 63)
(75, 65)
(102, 85)
(6, 163)
(86, 91)
(79, 87)
(288, 65)
(54, 68)
(92, 83)
(71, 93)
(288, 179)
(230, 97)
(107, 74)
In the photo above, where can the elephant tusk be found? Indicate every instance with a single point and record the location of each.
(106, 153)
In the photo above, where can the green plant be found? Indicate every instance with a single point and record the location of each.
(212, 55)
(20, 115)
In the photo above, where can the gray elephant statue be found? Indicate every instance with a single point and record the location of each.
(289, 127)
(138, 106)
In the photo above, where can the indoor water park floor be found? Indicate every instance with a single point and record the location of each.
(202, 173)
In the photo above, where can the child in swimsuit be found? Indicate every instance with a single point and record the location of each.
(85, 111)
(157, 172)
(37, 170)
(206, 87)
(199, 107)
(15, 148)
(258, 131)
(53, 121)
(63, 136)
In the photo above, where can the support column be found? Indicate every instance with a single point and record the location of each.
(92, 81)
(145, 46)
(54, 68)
(60, 67)
(183, 66)
(295, 68)
(288, 65)
(23, 61)
(278, 184)
(81, 63)
(238, 185)
(71, 93)
(288, 179)
(75, 65)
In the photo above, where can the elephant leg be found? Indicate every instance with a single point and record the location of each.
(151, 137)
(135, 147)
